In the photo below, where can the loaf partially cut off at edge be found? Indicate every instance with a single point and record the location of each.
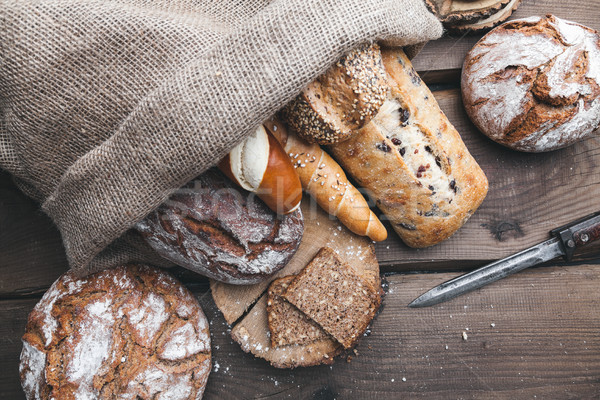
(287, 324)
(336, 297)
(336, 104)
(413, 161)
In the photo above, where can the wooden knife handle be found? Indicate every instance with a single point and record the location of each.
(587, 231)
(578, 233)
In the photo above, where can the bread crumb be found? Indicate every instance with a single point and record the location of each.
(403, 379)
(464, 336)
(493, 325)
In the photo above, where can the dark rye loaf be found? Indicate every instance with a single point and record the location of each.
(218, 230)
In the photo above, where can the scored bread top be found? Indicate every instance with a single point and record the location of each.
(342, 100)
(336, 297)
(533, 84)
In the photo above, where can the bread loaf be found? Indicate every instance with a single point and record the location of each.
(534, 84)
(131, 332)
(413, 162)
(215, 229)
(325, 181)
(336, 104)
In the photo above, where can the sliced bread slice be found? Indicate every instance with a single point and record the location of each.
(287, 324)
(342, 301)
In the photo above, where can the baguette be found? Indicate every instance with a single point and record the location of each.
(259, 164)
(409, 158)
(324, 180)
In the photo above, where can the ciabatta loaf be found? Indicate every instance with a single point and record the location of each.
(412, 161)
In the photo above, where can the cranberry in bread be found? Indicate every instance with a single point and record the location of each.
(534, 84)
(131, 332)
(214, 228)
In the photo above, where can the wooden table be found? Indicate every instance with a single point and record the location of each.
(533, 335)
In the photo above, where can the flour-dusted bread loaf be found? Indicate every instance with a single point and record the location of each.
(129, 333)
(214, 228)
(534, 84)
(336, 104)
(412, 161)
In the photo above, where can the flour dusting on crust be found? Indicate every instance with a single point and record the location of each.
(534, 84)
(127, 333)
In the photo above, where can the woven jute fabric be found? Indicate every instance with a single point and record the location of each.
(107, 107)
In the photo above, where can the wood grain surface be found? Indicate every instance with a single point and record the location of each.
(532, 335)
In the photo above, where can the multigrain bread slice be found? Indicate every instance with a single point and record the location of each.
(335, 105)
(336, 297)
(287, 324)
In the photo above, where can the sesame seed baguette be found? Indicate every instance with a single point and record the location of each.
(325, 181)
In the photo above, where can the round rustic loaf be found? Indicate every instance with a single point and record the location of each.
(534, 84)
(132, 332)
(216, 229)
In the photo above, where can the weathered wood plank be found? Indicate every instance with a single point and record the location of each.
(532, 334)
(442, 58)
(31, 251)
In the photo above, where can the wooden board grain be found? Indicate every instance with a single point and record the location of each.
(532, 335)
(441, 60)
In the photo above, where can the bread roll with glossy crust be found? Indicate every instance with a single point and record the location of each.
(259, 164)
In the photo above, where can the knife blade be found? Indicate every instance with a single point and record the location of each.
(566, 239)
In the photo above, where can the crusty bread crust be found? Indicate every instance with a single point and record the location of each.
(129, 332)
(420, 172)
(533, 84)
(339, 102)
(216, 229)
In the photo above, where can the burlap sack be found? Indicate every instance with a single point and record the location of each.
(110, 106)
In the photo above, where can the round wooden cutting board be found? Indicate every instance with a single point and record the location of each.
(251, 331)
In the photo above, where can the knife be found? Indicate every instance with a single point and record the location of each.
(565, 240)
